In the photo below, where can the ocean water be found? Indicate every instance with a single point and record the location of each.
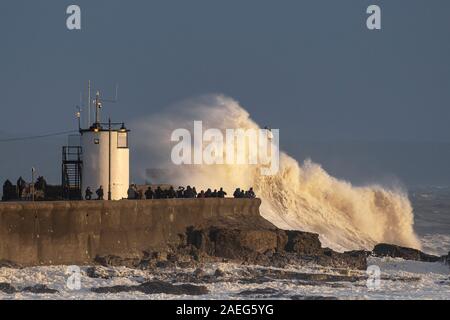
(399, 279)
(432, 218)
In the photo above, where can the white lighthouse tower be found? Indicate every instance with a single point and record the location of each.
(105, 157)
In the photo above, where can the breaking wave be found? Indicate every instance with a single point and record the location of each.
(300, 197)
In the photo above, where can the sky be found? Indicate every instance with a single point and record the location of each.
(367, 105)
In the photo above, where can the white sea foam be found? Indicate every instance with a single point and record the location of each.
(400, 279)
(300, 197)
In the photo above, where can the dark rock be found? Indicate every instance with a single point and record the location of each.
(114, 261)
(114, 289)
(219, 273)
(446, 259)
(358, 253)
(172, 257)
(303, 243)
(185, 264)
(268, 247)
(242, 244)
(40, 289)
(199, 273)
(250, 245)
(146, 264)
(299, 297)
(165, 264)
(9, 264)
(394, 251)
(259, 292)
(7, 288)
(102, 273)
(155, 287)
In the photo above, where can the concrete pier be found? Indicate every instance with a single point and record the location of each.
(49, 233)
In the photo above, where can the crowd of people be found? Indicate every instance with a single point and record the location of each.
(238, 193)
(187, 193)
(13, 192)
(23, 190)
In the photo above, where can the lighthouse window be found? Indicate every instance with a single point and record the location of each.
(122, 140)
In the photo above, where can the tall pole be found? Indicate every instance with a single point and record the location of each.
(89, 104)
(98, 105)
(79, 118)
(109, 161)
(32, 183)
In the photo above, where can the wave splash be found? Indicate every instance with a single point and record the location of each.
(300, 197)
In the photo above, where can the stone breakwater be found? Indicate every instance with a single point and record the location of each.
(154, 233)
(86, 232)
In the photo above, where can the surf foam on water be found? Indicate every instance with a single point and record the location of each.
(300, 197)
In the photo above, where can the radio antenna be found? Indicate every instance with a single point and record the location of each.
(89, 104)
(98, 102)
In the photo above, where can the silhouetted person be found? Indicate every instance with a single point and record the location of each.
(214, 194)
(149, 194)
(131, 193)
(201, 194)
(208, 193)
(180, 192)
(171, 193)
(88, 194)
(188, 193)
(9, 191)
(221, 193)
(21, 184)
(100, 193)
(40, 184)
(237, 193)
(251, 194)
(158, 193)
(194, 192)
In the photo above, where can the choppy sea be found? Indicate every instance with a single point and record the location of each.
(399, 279)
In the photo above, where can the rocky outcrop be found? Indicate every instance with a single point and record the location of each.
(36, 289)
(394, 251)
(270, 247)
(155, 287)
(40, 289)
(246, 245)
(9, 264)
(303, 243)
(446, 259)
(7, 288)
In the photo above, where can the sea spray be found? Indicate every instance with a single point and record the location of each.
(299, 197)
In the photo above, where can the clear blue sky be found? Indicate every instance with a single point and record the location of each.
(310, 68)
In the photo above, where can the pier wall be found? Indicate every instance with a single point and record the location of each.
(75, 232)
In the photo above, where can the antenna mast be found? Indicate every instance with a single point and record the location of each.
(98, 106)
(89, 104)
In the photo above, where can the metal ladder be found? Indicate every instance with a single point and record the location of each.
(72, 165)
